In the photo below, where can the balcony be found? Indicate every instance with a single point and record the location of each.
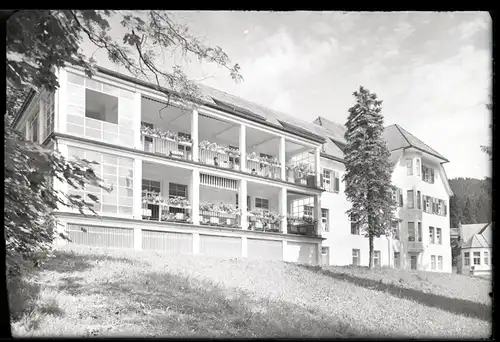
(224, 156)
(264, 221)
(304, 225)
(301, 173)
(174, 209)
(265, 166)
(219, 215)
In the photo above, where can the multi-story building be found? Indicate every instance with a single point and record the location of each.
(181, 175)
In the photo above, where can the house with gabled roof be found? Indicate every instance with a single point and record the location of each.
(421, 236)
(476, 248)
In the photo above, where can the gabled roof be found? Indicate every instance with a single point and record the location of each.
(467, 231)
(482, 239)
(397, 137)
(336, 130)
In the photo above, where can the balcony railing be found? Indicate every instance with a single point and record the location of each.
(175, 209)
(265, 167)
(264, 221)
(302, 225)
(219, 219)
(167, 147)
(219, 155)
(301, 174)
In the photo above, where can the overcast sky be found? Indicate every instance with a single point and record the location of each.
(432, 70)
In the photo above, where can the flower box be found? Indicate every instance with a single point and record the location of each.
(177, 154)
(180, 216)
(146, 212)
(214, 220)
(185, 143)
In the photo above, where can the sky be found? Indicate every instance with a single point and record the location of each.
(433, 70)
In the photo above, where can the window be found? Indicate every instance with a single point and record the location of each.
(417, 166)
(151, 186)
(327, 180)
(486, 258)
(376, 258)
(397, 260)
(431, 235)
(354, 228)
(150, 125)
(116, 172)
(400, 191)
(177, 190)
(477, 258)
(419, 205)
(324, 250)
(433, 262)
(34, 128)
(411, 231)
(308, 210)
(48, 108)
(466, 258)
(324, 220)
(440, 262)
(438, 236)
(427, 174)
(427, 204)
(395, 195)
(409, 167)
(355, 257)
(395, 230)
(263, 203)
(432, 176)
(410, 200)
(419, 231)
(331, 180)
(100, 106)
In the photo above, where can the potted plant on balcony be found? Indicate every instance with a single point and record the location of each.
(290, 173)
(178, 202)
(184, 140)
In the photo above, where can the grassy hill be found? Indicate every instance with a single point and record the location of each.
(98, 292)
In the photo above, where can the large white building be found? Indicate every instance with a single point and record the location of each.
(180, 176)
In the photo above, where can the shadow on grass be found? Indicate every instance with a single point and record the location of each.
(454, 305)
(164, 304)
(23, 294)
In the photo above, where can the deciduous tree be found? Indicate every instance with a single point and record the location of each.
(368, 170)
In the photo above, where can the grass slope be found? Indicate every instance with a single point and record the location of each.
(98, 292)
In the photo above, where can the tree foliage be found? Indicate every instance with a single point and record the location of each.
(472, 201)
(368, 170)
(38, 42)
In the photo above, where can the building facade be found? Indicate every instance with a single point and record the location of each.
(226, 177)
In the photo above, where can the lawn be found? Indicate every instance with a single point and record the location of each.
(101, 292)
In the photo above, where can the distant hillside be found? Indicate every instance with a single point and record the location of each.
(472, 201)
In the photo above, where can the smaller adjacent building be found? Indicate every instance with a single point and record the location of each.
(476, 244)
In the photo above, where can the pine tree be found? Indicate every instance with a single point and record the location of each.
(468, 213)
(368, 171)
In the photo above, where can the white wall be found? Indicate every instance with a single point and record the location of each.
(481, 266)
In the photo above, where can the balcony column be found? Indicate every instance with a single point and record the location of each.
(137, 184)
(282, 158)
(194, 190)
(137, 121)
(283, 210)
(243, 151)
(242, 204)
(317, 166)
(317, 213)
(194, 135)
(61, 102)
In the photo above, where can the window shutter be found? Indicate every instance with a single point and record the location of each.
(321, 180)
(337, 182)
(432, 175)
(444, 205)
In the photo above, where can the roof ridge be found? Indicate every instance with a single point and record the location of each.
(399, 128)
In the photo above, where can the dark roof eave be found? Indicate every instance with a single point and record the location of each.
(329, 156)
(422, 150)
(206, 103)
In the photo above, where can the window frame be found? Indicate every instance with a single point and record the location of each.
(466, 258)
(410, 195)
(476, 256)
(439, 236)
(409, 166)
(261, 201)
(357, 257)
(376, 258)
(413, 229)
(324, 220)
(174, 188)
(486, 256)
(432, 235)
(440, 262)
(433, 262)
(117, 98)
